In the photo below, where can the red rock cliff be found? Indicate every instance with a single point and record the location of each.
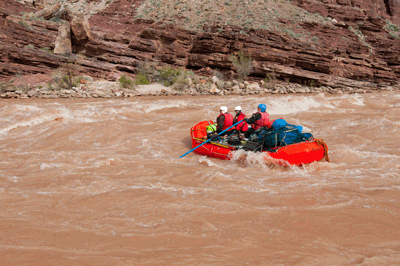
(360, 50)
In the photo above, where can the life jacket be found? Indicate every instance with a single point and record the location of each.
(243, 127)
(228, 120)
(211, 129)
(262, 122)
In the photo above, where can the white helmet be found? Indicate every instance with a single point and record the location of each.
(238, 108)
(224, 109)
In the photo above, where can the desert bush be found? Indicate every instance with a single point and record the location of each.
(182, 81)
(218, 74)
(141, 79)
(168, 75)
(309, 83)
(46, 49)
(147, 69)
(3, 86)
(391, 26)
(242, 64)
(270, 80)
(23, 23)
(67, 77)
(50, 86)
(126, 83)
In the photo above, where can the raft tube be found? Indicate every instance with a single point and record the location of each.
(295, 154)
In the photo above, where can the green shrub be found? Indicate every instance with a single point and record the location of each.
(270, 80)
(4, 86)
(394, 35)
(69, 79)
(147, 69)
(219, 75)
(46, 49)
(56, 20)
(141, 79)
(390, 26)
(125, 82)
(181, 82)
(168, 75)
(23, 23)
(242, 64)
(66, 77)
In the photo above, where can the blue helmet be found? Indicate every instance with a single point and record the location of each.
(262, 107)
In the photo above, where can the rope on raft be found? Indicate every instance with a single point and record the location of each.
(322, 143)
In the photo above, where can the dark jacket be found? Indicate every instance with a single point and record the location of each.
(220, 123)
(254, 118)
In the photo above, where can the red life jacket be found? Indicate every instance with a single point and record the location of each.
(228, 120)
(243, 127)
(262, 122)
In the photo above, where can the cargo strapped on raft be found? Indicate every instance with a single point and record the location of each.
(280, 134)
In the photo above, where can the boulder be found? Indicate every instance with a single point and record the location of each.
(214, 89)
(253, 86)
(215, 79)
(190, 82)
(32, 93)
(48, 13)
(63, 41)
(80, 28)
(32, 79)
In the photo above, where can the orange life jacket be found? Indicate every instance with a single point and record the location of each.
(243, 127)
(228, 120)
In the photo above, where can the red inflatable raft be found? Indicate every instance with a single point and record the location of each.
(295, 154)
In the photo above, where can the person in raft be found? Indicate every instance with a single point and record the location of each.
(224, 121)
(258, 120)
(242, 127)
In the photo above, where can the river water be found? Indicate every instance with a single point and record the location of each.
(100, 182)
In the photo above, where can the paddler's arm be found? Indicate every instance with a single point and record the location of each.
(254, 118)
(220, 123)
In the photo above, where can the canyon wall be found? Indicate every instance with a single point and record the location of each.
(359, 48)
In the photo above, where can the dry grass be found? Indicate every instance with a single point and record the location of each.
(81, 6)
(274, 15)
(281, 16)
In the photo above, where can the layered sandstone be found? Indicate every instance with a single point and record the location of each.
(356, 49)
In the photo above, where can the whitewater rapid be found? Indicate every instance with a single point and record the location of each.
(100, 182)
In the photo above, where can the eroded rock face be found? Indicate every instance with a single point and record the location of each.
(340, 9)
(357, 50)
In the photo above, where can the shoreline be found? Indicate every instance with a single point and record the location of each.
(108, 89)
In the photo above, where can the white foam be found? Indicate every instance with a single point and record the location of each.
(206, 161)
(49, 165)
(13, 179)
(291, 104)
(26, 108)
(249, 158)
(284, 104)
(163, 104)
(356, 99)
(31, 122)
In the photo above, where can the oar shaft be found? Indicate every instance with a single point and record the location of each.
(241, 121)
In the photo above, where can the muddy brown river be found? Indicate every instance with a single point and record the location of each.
(100, 182)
